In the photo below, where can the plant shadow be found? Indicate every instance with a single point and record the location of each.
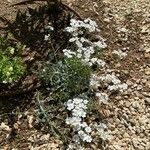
(29, 28)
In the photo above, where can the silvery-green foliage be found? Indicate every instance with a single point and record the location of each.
(67, 78)
(72, 77)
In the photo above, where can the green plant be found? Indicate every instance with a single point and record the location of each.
(67, 78)
(11, 67)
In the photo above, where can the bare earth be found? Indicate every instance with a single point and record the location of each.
(125, 24)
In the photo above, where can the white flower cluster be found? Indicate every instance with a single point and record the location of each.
(74, 146)
(102, 97)
(78, 107)
(119, 53)
(102, 131)
(85, 49)
(114, 84)
(76, 25)
(109, 80)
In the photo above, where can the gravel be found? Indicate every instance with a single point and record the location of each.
(130, 124)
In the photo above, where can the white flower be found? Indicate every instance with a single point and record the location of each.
(87, 138)
(70, 106)
(103, 97)
(110, 78)
(76, 138)
(103, 134)
(100, 44)
(79, 55)
(69, 53)
(82, 106)
(94, 82)
(84, 136)
(79, 44)
(93, 60)
(78, 107)
(81, 133)
(84, 124)
(84, 52)
(70, 30)
(87, 56)
(102, 131)
(101, 63)
(79, 112)
(79, 51)
(73, 39)
(85, 101)
(12, 51)
(4, 81)
(47, 37)
(82, 39)
(118, 87)
(77, 100)
(88, 129)
(74, 121)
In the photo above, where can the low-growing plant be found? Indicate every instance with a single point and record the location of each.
(11, 67)
(67, 78)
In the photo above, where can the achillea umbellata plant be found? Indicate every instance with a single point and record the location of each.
(67, 78)
(73, 80)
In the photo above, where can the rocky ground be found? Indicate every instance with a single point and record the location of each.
(130, 124)
(126, 26)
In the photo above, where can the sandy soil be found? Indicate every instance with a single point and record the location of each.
(125, 25)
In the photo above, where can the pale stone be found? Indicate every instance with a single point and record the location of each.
(126, 135)
(127, 104)
(147, 50)
(147, 71)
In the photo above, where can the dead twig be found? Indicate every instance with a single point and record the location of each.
(59, 4)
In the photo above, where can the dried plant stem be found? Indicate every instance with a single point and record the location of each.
(58, 3)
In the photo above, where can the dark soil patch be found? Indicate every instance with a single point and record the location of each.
(29, 28)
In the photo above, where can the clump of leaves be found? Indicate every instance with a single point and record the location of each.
(67, 78)
(11, 67)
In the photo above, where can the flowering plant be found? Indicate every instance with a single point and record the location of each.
(73, 80)
(10, 67)
(67, 78)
